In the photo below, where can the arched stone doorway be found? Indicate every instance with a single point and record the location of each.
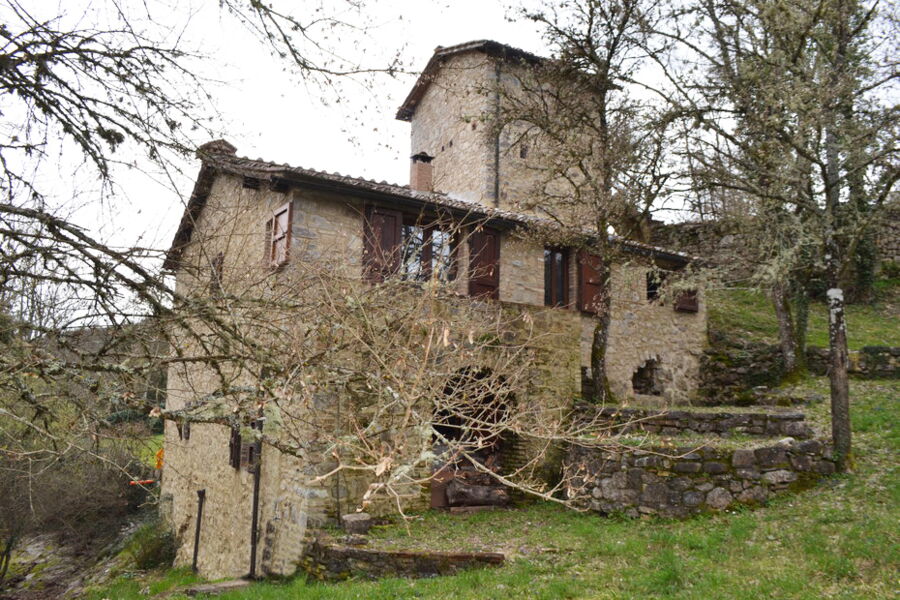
(469, 427)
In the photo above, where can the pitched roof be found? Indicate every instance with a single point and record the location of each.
(488, 47)
(220, 157)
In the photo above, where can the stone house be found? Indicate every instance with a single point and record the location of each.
(243, 209)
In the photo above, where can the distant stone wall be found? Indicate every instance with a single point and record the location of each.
(731, 368)
(714, 239)
(684, 481)
(887, 237)
(869, 362)
(674, 422)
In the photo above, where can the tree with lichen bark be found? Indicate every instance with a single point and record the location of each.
(792, 112)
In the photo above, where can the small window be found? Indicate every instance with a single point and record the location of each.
(556, 277)
(280, 238)
(234, 448)
(523, 151)
(655, 280)
(217, 265)
(687, 301)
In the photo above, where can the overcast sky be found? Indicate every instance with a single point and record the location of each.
(269, 112)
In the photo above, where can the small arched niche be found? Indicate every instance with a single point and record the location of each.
(647, 378)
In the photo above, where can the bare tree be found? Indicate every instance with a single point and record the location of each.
(106, 85)
(596, 144)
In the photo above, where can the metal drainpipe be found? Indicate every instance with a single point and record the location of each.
(497, 137)
(201, 498)
(254, 525)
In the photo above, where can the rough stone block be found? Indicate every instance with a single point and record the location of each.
(715, 468)
(747, 473)
(693, 498)
(825, 467)
(357, 523)
(780, 476)
(771, 457)
(753, 495)
(810, 447)
(718, 498)
(743, 458)
(686, 467)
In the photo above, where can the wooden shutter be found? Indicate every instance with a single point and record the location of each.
(590, 285)
(234, 448)
(281, 234)
(267, 243)
(687, 301)
(484, 264)
(382, 238)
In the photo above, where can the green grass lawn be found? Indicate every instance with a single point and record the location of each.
(749, 314)
(838, 540)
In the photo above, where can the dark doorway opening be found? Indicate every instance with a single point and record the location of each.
(647, 379)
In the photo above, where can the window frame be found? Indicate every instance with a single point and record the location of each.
(556, 277)
(273, 239)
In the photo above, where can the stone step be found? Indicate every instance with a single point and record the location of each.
(684, 421)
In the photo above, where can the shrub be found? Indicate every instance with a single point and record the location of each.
(151, 546)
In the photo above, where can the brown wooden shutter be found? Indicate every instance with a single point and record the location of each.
(267, 243)
(687, 301)
(382, 238)
(484, 264)
(234, 448)
(590, 285)
(281, 234)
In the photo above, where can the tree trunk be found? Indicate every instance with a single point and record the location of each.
(800, 308)
(840, 387)
(601, 338)
(786, 337)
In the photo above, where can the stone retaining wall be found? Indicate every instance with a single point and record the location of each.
(331, 562)
(678, 483)
(869, 362)
(675, 422)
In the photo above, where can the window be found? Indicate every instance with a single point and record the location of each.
(426, 252)
(243, 454)
(278, 230)
(397, 245)
(556, 277)
(234, 448)
(484, 263)
(217, 265)
(655, 280)
(687, 301)
(590, 282)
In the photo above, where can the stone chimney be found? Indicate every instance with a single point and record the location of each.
(421, 173)
(216, 147)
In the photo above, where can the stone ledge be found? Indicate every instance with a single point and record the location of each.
(674, 422)
(326, 561)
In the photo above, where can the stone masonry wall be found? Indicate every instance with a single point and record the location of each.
(449, 125)
(869, 362)
(641, 330)
(685, 481)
